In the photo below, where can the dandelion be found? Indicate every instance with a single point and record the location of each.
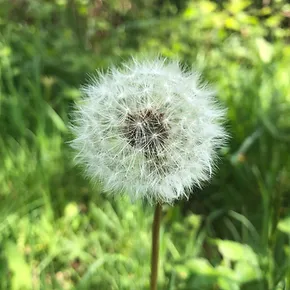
(150, 130)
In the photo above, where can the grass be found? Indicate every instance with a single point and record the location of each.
(57, 231)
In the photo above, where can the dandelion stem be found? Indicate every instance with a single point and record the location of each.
(155, 247)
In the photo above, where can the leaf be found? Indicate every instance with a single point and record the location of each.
(201, 266)
(237, 252)
(226, 284)
(246, 272)
(265, 50)
(236, 6)
(71, 210)
(21, 272)
(232, 23)
(225, 272)
(284, 225)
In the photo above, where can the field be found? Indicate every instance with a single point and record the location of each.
(59, 231)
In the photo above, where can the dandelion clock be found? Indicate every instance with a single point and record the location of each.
(150, 130)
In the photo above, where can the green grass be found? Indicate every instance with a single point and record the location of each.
(58, 231)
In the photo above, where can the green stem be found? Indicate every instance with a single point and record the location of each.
(155, 247)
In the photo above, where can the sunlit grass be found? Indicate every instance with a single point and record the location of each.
(57, 231)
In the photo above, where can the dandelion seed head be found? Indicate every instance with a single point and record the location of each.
(149, 129)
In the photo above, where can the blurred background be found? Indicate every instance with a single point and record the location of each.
(57, 231)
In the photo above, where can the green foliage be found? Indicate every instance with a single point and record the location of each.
(59, 232)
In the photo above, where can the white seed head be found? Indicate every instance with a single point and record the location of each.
(148, 129)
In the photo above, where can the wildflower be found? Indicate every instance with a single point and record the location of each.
(148, 129)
